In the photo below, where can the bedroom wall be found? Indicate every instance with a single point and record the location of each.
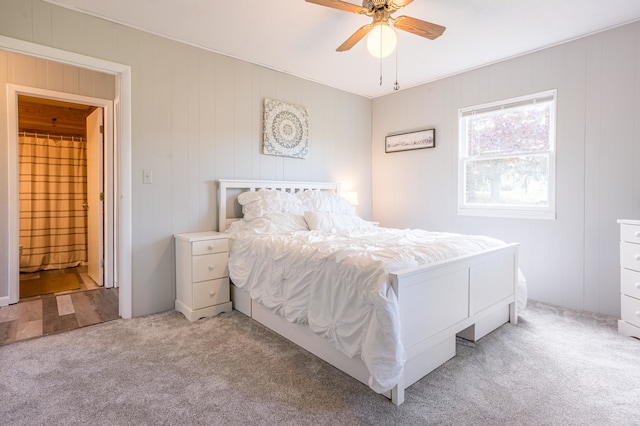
(196, 117)
(571, 261)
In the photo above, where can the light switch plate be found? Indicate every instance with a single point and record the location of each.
(147, 176)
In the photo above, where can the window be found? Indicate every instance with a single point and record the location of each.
(507, 158)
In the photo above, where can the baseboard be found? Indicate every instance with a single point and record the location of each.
(4, 301)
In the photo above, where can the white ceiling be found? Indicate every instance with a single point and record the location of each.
(300, 38)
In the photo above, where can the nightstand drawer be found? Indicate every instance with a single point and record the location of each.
(630, 233)
(630, 283)
(630, 309)
(209, 267)
(209, 293)
(630, 256)
(209, 246)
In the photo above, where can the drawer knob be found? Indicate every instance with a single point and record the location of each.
(637, 234)
(212, 293)
(637, 257)
(212, 267)
(638, 314)
(210, 247)
(638, 286)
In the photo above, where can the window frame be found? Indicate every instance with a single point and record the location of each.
(508, 211)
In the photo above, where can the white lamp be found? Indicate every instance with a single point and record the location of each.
(352, 198)
(382, 40)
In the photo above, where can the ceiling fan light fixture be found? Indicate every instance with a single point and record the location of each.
(382, 40)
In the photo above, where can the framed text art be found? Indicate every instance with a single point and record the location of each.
(407, 141)
(286, 129)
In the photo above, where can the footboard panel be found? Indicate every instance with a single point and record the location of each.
(491, 281)
(432, 301)
(440, 300)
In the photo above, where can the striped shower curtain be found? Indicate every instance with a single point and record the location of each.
(53, 186)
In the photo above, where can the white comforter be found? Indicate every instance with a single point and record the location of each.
(338, 282)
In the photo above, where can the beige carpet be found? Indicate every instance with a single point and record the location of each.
(556, 367)
(51, 283)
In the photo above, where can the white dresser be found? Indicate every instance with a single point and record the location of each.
(202, 274)
(629, 324)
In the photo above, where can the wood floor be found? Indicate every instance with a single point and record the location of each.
(54, 313)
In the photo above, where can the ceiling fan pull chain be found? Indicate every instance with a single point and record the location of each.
(396, 86)
(380, 71)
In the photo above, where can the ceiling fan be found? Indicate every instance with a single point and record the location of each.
(381, 11)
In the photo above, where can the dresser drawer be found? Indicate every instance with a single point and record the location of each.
(630, 309)
(209, 293)
(630, 283)
(209, 267)
(630, 233)
(630, 256)
(209, 246)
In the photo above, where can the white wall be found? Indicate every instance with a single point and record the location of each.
(196, 118)
(571, 261)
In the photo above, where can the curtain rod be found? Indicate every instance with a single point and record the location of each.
(54, 137)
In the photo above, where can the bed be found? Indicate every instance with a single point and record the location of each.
(412, 308)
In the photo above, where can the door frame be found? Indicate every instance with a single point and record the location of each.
(13, 91)
(120, 167)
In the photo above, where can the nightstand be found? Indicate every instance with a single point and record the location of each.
(202, 275)
(629, 323)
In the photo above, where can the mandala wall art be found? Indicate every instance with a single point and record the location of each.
(286, 129)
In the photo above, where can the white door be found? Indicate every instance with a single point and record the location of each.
(95, 197)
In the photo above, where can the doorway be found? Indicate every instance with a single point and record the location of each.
(119, 172)
(60, 156)
(104, 230)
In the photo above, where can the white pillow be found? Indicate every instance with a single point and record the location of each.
(333, 222)
(267, 201)
(325, 201)
(270, 223)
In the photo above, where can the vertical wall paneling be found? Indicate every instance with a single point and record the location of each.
(101, 36)
(180, 132)
(593, 135)
(204, 160)
(68, 29)
(243, 107)
(224, 118)
(16, 19)
(195, 214)
(255, 152)
(41, 26)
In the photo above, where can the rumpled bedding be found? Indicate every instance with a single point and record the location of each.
(338, 282)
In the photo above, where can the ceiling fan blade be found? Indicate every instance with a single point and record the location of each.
(355, 38)
(337, 4)
(399, 4)
(418, 27)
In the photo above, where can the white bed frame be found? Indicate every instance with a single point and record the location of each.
(468, 296)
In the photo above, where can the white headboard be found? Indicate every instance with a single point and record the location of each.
(230, 188)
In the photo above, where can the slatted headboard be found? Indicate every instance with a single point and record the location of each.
(228, 208)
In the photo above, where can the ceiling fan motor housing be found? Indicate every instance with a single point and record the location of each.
(374, 5)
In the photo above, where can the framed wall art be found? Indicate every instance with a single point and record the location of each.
(286, 129)
(408, 141)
